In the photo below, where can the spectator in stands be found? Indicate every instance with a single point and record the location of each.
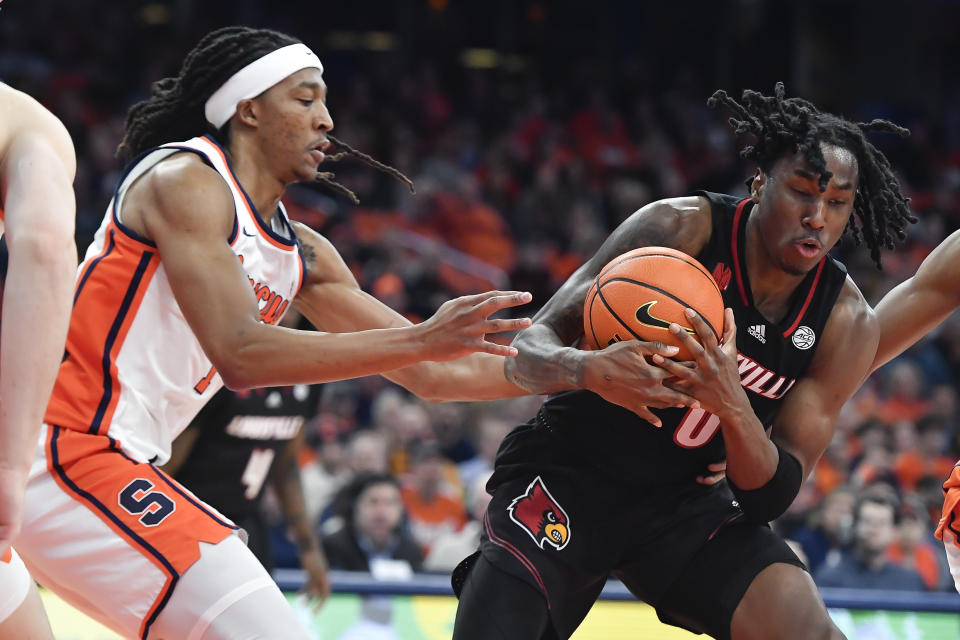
(491, 430)
(866, 565)
(432, 508)
(450, 548)
(827, 530)
(916, 548)
(927, 459)
(372, 537)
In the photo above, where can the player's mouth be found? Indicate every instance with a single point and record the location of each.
(808, 247)
(317, 151)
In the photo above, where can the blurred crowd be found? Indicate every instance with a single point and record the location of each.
(518, 180)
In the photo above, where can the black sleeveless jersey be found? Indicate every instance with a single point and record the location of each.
(241, 434)
(771, 356)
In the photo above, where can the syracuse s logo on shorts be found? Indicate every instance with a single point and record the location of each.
(537, 513)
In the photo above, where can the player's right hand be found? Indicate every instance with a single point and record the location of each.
(622, 375)
(458, 327)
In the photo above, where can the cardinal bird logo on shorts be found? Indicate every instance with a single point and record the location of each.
(537, 513)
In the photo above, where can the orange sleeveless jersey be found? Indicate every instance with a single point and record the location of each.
(133, 369)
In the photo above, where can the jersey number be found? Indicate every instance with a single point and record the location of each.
(137, 498)
(696, 429)
(256, 472)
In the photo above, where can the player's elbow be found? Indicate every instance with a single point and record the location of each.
(49, 251)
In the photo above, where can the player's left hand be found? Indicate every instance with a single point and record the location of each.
(718, 471)
(317, 587)
(714, 380)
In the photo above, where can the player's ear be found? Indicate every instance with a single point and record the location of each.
(756, 187)
(248, 112)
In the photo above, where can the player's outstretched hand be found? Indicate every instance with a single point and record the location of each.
(621, 374)
(12, 484)
(715, 379)
(458, 327)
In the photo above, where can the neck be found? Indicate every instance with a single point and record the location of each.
(770, 286)
(871, 560)
(264, 188)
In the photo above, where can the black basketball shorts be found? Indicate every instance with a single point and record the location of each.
(564, 527)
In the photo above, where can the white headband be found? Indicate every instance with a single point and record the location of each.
(257, 77)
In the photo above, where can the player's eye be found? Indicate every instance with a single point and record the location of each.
(305, 101)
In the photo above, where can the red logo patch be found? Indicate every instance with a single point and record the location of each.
(542, 517)
(722, 274)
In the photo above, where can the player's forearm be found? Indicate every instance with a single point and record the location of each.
(751, 456)
(474, 378)
(38, 294)
(269, 356)
(543, 364)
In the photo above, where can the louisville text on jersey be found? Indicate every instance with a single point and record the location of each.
(760, 380)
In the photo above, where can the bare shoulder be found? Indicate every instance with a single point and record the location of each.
(680, 223)
(851, 330)
(321, 259)
(180, 191)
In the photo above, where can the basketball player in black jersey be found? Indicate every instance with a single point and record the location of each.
(597, 485)
(238, 442)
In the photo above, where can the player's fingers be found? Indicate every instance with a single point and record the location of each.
(497, 349)
(711, 479)
(674, 368)
(717, 467)
(668, 397)
(654, 348)
(685, 338)
(707, 337)
(493, 301)
(647, 415)
(498, 325)
(729, 329)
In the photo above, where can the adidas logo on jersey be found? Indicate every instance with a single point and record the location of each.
(759, 332)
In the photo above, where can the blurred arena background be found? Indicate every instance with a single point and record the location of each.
(530, 129)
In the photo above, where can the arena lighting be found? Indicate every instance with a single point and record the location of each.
(479, 58)
(355, 40)
(155, 13)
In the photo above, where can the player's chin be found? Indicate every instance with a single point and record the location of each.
(305, 172)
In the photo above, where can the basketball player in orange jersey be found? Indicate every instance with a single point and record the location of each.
(599, 485)
(193, 264)
(906, 314)
(37, 208)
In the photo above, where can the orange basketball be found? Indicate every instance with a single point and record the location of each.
(638, 294)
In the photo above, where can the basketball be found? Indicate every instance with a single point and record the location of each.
(638, 294)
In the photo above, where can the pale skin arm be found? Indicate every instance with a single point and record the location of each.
(333, 301)
(217, 301)
(920, 303)
(805, 423)
(38, 168)
(546, 363)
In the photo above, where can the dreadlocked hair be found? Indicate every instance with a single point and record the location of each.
(175, 108)
(793, 125)
(326, 177)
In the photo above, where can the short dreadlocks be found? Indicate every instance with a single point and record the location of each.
(793, 125)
